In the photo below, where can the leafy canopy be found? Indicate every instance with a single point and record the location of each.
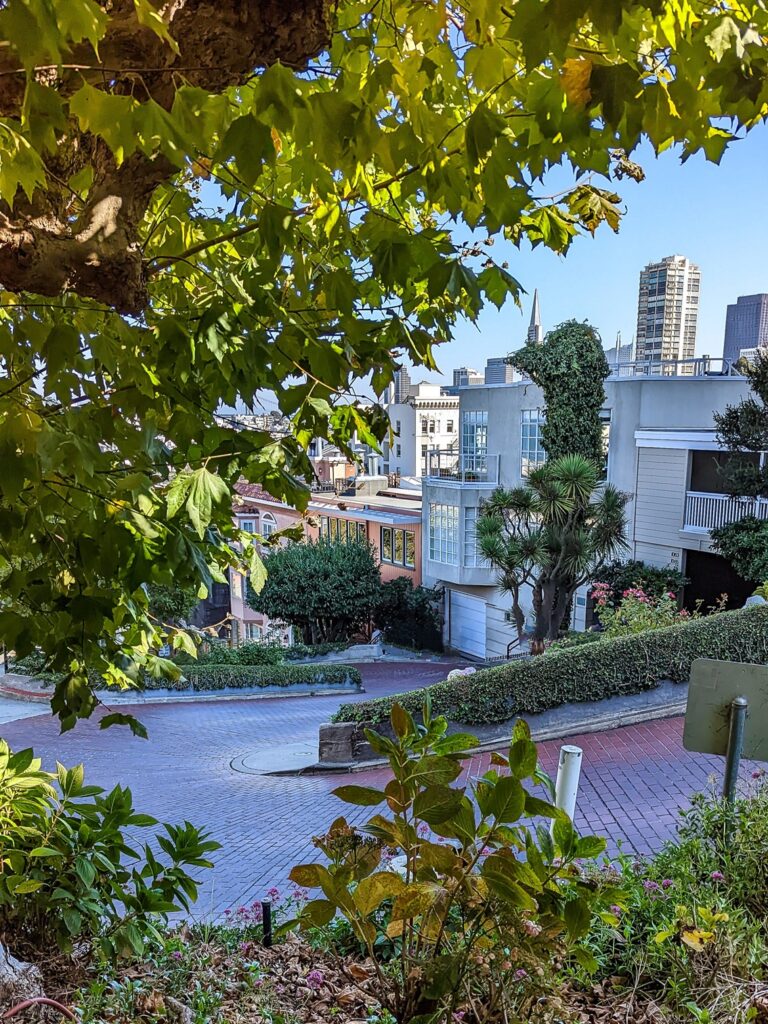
(569, 367)
(188, 222)
(328, 589)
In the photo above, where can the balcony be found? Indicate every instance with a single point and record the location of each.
(706, 512)
(453, 467)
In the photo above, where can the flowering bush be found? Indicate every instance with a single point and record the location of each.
(637, 610)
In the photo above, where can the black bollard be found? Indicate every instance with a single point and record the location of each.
(266, 922)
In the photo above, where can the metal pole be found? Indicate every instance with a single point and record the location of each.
(567, 784)
(739, 708)
(266, 922)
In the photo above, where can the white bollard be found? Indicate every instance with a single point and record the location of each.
(567, 785)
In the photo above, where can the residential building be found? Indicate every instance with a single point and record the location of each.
(746, 326)
(535, 334)
(389, 519)
(465, 377)
(498, 371)
(428, 419)
(667, 312)
(661, 450)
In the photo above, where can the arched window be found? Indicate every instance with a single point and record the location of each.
(268, 524)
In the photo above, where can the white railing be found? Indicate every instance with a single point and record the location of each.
(462, 468)
(702, 366)
(704, 511)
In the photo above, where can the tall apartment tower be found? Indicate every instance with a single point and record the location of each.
(498, 371)
(667, 310)
(746, 326)
(535, 334)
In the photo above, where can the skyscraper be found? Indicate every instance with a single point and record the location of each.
(535, 332)
(746, 325)
(667, 310)
(498, 371)
(400, 388)
(464, 376)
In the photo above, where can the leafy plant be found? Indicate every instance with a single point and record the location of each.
(570, 367)
(67, 873)
(408, 615)
(551, 535)
(603, 668)
(172, 604)
(745, 544)
(483, 898)
(637, 611)
(619, 576)
(328, 589)
(222, 677)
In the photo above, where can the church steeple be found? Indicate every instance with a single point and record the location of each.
(535, 332)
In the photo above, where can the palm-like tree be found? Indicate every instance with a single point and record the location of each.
(552, 535)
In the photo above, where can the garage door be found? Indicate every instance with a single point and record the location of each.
(467, 624)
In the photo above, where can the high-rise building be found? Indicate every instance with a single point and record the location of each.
(535, 334)
(498, 371)
(401, 386)
(746, 325)
(667, 310)
(619, 353)
(464, 377)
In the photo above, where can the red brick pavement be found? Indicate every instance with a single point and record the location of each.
(634, 779)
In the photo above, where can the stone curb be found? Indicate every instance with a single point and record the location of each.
(587, 724)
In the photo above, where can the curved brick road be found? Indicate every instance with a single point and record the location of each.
(634, 781)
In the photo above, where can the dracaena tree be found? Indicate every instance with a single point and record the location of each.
(550, 536)
(201, 203)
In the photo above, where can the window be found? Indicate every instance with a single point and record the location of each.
(325, 526)
(473, 556)
(268, 524)
(449, 427)
(424, 424)
(474, 439)
(605, 429)
(362, 532)
(237, 585)
(398, 547)
(397, 426)
(444, 533)
(249, 525)
(398, 451)
(531, 452)
(424, 451)
(431, 426)
(252, 630)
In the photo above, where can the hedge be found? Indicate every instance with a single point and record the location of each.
(607, 668)
(222, 677)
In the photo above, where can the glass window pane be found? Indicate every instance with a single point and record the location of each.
(361, 533)
(398, 553)
(410, 550)
(386, 544)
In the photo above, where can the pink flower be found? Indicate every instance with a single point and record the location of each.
(671, 596)
(651, 886)
(315, 980)
(531, 928)
(666, 883)
(759, 773)
(520, 974)
(274, 894)
(176, 954)
(717, 876)
(615, 910)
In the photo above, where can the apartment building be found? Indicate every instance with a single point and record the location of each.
(389, 519)
(746, 327)
(668, 310)
(427, 419)
(661, 450)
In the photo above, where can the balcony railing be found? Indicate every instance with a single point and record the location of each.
(465, 469)
(705, 511)
(703, 366)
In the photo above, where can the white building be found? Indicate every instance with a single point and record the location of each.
(668, 310)
(427, 420)
(661, 451)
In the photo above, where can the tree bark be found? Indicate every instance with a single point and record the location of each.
(220, 44)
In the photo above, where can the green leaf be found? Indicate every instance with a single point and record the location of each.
(373, 890)
(589, 846)
(116, 718)
(523, 758)
(506, 801)
(364, 796)
(152, 19)
(563, 834)
(585, 958)
(437, 804)
(27, 886)
(319, 913)
(402, 721)
(205, 490)
(578, 917)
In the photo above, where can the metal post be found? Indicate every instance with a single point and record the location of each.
(266, 922)
(738, 718)
(567, 784)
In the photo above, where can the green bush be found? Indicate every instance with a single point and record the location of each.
(222, 677)
(410, 616)
(605, 668)
(67, 874)
(621, 576)
(298, 651)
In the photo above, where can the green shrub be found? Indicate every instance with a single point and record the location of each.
(409, 616)
(222, 677)
(621, 576)
(298, 651)
(67, 874)
(605, 668)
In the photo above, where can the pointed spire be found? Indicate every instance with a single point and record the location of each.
(535, 332)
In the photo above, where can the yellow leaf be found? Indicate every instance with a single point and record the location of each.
(695, 938)
(202, 167)
(575, 74)
(277, 142)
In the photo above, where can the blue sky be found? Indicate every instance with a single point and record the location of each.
(716, 215)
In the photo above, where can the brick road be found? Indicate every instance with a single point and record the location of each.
(634, 779)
